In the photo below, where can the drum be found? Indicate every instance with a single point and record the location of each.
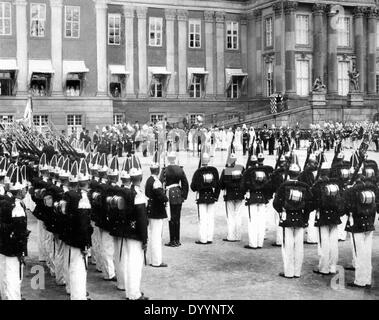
(118, 202)
(369, 172)
(208, 178)
(260, 176)
(367, 197)
(344, 174)
(236, 175)
(296, 195)
(331, 190)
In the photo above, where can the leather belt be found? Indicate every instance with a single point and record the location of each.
(172, 186)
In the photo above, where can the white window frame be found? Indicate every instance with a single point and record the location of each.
(377, 83)
(71, 22)
(269, 66)
(197, 86)
(344, 31)
(302, 29)
(154, 23)
(234, 89)
(117, 118)
(343, 80)
(75, 124)
(3, 18)
(41, 19)
(269, 31)
(303, 80)
(157, 116)
(6, 118)
(232, 33)
(155, 82)
(192, 117)
(377, 34)
(114, 17)
(41, 121)
(194, 23)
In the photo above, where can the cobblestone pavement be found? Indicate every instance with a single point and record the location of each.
(221, 270)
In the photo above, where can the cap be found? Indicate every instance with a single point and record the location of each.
(74, 174)
(16, 180)
(3, 166)
(155, 161)
(135, 169)
(65, 171)
(125, 169)
(43, 163)
(83, 171)
(113, 167)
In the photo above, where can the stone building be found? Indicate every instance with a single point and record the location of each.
(94, 62)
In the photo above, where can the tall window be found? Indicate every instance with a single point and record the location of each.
(5, 19)
(74, 124)
(117, 119)
(155, 32)
(41, 122)
(302, 29)
(114, 29)
(343, 77)
(37, 19)
(156, 117)
(6, 83)
(377, 83)
(234, 89)
(377, 34)
(194, 34)
(343, 32)
(195, 89)
(156, 90)
(72, 22)
(232, 35)
(269, 78)
(268, 32)
(302, 77)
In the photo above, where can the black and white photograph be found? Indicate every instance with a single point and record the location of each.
(194, 150)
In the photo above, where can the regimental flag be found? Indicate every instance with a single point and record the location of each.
(28, 113)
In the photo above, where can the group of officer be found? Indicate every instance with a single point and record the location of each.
(93, 206)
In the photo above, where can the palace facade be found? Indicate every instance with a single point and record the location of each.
(94, 62)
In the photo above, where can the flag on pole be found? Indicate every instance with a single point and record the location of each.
(28, 113)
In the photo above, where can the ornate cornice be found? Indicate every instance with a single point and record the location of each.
(278, 8)
(319, 8)
(170, 14)
(141, 12)
(290, 7)
(359, 12)
(372, 13)
(20, 2)
(182, 15)
(258, 14)
(129, 12)
(209, 16)
(243, 20)
(220, 16)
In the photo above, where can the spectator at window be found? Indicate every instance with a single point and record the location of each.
(42, 91)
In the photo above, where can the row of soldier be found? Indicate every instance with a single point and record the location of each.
(87, 204)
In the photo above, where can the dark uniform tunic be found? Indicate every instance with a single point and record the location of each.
(230, 181)
(256, 180)
(205, 181)
(156, 208)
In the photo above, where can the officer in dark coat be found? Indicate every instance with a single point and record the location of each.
(176, 183)
(230, 182)
(205, 182)
(293, 202)
(360, 203)
(156, 212)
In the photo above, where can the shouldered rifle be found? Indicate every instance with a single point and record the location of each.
(362, 151)
(309, 151)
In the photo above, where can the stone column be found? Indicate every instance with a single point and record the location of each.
(220, 49)
(142, 67)
(129, 50)
(258, 46)
(360, 45)
(182, 52)
(371, 51)
(22, 47)
(56, 46)
(170, 15)
(244, 47)
(101, 46)
(251, 55)
(332, 54)
(290, 42)
(319, 41)
(278, 67)
(209, 52)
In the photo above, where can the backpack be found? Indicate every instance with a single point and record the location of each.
(294, 198)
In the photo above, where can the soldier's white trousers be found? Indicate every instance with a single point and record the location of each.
(256, 225)
(206, 221)
(59, 261)
(155, 241)
(328, 248)
(11, 273)
(233, 217)
(133, 270)
(363, 252)
(341, 228)
(311, 229)
(66, 273)
(293, 251)
(352, 250)
(77, 273)
(96, 247)
(278, 230)
(107, 254)
(42, 252)
(120, 261)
